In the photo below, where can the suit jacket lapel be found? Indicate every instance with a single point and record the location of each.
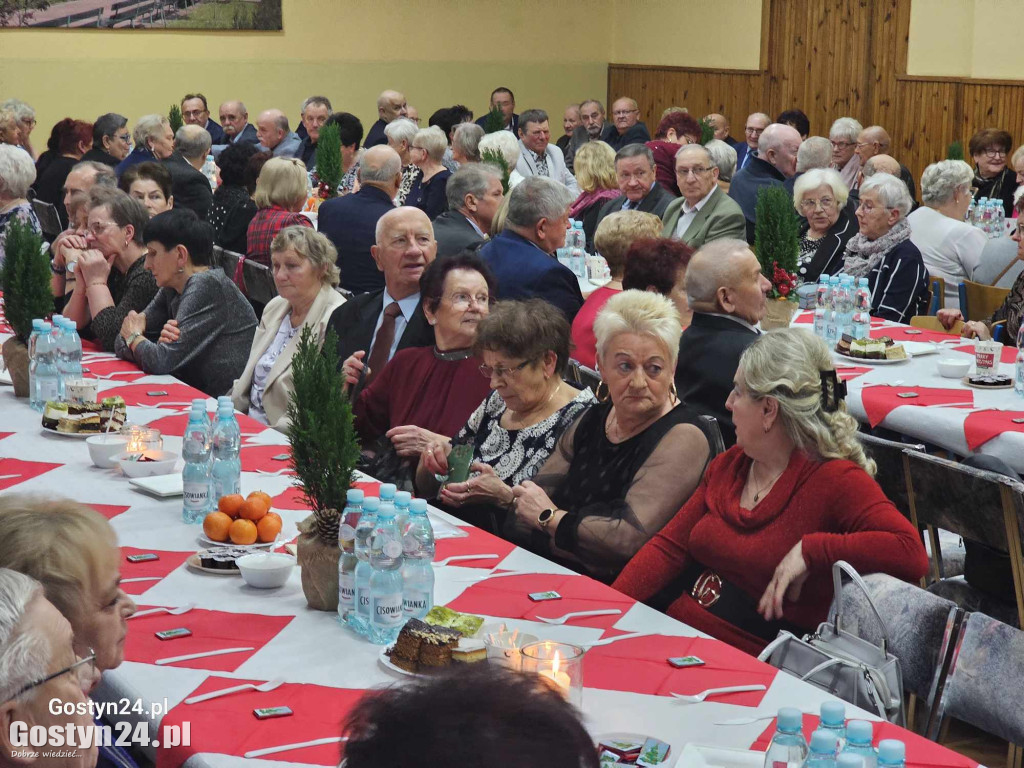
(700, 220)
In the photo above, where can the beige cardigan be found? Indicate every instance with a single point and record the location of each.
(279, 379)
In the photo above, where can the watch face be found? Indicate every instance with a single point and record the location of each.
(545, 515)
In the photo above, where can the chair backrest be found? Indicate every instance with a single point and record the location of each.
(938, 288)
(890, 468)
(932, 324)
(714, 435)
(217, 257)
(259, 282)
(979, 301)
(228, 261)
(580, 375)
(49, 220)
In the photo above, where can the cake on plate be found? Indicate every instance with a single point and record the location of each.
(53, 413)
(422, 646)
(112, 409)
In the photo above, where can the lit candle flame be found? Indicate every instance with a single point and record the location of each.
(555, 664)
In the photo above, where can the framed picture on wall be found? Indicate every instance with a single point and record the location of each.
(245, 15)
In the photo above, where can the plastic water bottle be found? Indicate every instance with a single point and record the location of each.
(227, 467)
(402, 501)
(831, 309)
(822, 752)
(47, 375)
(969, 216)
(387, 498)
(979, 211)
(347, 561)
(196, 450)
(844, 307)
(833, 721)
(789, 747)
(33, 398)
(57, 337)
(209, 170)
(820, 305)
(69, 359)
(892, 754)
(846, 760)
(359, 619)
(386, 617)
(417, 567)
(861, 309)
(858, 742)
(1018, 374)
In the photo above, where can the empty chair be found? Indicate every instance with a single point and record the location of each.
(978, 301)
(259, 282)
(932, 324)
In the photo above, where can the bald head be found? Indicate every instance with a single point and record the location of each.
(271, 128)
(381, 167)
(873, 140)
(391, 106)
(625, 114)
(881, 164)
(725, 276)
(779, 145)
(719, 124)
(405, 247)
(193, 142)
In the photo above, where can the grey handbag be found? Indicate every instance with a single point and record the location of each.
(852, 669)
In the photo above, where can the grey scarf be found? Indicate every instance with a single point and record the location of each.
(863, 255)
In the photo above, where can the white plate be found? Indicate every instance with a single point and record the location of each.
(206, 540)
(625, 736)
(164, 486)
(720, 757)
(919, 348)
(866, 361)
(78, 435)
(195, 564)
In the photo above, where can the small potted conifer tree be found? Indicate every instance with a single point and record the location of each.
(328, 163)
(174, 117)
(777, 244)
(25, 280)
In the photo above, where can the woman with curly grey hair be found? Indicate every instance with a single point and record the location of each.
(793, 495)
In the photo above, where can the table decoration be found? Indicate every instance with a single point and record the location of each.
(560, 665)
(776, 243)
(25, 280)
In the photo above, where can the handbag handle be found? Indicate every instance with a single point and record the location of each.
(838, 568)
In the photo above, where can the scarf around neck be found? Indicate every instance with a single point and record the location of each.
(587, 199)
(863, 255)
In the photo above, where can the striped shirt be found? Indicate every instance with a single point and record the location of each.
(899, 284)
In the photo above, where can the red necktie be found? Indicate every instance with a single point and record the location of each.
(382, 344)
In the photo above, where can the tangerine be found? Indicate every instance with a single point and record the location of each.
(268, 528)
(253, 508)
(243, 532)
(262, 495)
(229, 504)
(216, 526)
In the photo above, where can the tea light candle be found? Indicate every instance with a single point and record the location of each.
(557, 664)
(558, 679)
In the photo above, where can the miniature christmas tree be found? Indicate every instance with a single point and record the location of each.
(495, 121)
(328, 161)
(955, 151)
(777, 241)
(496, 158)
(707, 131)
(25, 278)
(174, 117)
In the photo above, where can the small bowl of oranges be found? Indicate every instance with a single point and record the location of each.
(243, 520)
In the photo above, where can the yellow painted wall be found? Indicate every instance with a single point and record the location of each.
(967, 38)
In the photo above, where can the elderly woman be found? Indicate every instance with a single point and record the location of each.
(17, 172)
(615, 234)
(950, 247)
(776, 510)
(154, 140)
(111, 141)
(843, 136)
(202, 323)
(75, 140)
(883, 252)
(820, 198)
(626, 465)
(594, 166)
(109, 275)
(424, 394)
(525, 349)
(10, 129)
(26, 117)
(724, 157)
(280, 195)
(305, 274)
(233, 206)
(428, 190)
(150, 184)
(659, 265)
(400, 134)
(675, 128)
(505, 144)
(993, 179)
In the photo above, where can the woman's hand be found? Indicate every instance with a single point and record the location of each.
(93, 267)
(976, 329)
(67, 248)
(530, 501)
(786, 584)
(411, 440)
(434, 458)
(483, 488)
(949, 317)
(170, 333)
(353, 367)
(134, 322)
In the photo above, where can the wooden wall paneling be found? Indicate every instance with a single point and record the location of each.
(987, 105)
(927, 123)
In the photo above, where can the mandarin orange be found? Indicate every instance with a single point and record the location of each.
(229, 504)
(269, 527)
(262, 495)
(216, 525)
(253, 508)
(243, 532)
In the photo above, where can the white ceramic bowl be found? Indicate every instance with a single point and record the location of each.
(163, 464)
(103, 449)
(954, 367)
(265, 571)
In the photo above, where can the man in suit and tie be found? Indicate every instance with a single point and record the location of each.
(727, 293)
(537, 155)
(373, 326)
(234, 119)
(474, 197)
(275, 135)
(505, 100)
(745, 151)
(521, 257)
(191, 189)
(704, 213)
(195, 111)
(635, 173)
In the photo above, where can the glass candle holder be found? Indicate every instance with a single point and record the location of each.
(560, 665)
(142, 439)
(504, 645)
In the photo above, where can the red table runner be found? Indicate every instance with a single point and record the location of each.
(982, 426)
(21, 471)
(478, 542)
(880, 400)
(126, 371)
(137, 394)
(905, 333)
(1008, 354)
(845, 374)
(168, 561)
(255, 457)
(109, 511)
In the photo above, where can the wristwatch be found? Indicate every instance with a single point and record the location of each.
(131, 338)
(544, 518)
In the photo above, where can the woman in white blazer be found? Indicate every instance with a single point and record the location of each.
(303, 263)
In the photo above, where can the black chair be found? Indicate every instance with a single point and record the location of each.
(714, 435)
(49, 220)
(229, 261)
(259, 282)
(581, 376)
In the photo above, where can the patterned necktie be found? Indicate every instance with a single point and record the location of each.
(382, 344)
(542, 164)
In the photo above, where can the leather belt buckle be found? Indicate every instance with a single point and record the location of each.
(707, 589)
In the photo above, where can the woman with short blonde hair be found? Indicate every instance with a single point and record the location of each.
(281, 191)
(594, 166)
(429, 189)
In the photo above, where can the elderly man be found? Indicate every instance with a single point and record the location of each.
(390, 106)
(111, 141)
(373, 326)
(80, 181)
(505, 100)
(190, 187)
(874, 140)
(754, 127)
(537, 155)
(774, 162)
(814, 152)
(570, 122)
(726, 291)
(275, 135)
(591, 128)
(720, 125)
(234, 119)
(350, 222)
(474, 196)
(38, 666)
(521, 257)
(704, 213)
(876, 164)
(194, 111)
(626, 127)
(638, 188)
(843, 134)
(413, 113)
(314, 113)
(466, 143)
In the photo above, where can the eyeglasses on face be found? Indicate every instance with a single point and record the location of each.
(506, 374)
(995, 152)
(624, 112)
(841, 144)
(194, 112)
(79, 667)
(751, 131)
(97, 228)
(809, 205)
(697, 170)
(463, 300)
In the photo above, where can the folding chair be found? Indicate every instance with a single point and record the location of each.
(714, 435)
(49, 220)
(932, 324)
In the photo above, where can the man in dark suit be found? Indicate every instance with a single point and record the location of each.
(726, 291)
(234, 119)
(626, 127)
(521, 257)
(720, 125)
(351, 221)
(505, 100)
(190, 187)
(774, 162)
(635, 173)
(474, 197)
(195, 111)
(754, 127)
(373, 326)
(316, 110)
(391, 105)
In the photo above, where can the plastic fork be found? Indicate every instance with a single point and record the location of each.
(262, 688)
(172, 611)
(580, 615)
(460, 558)
(697, 698)
(610, 640)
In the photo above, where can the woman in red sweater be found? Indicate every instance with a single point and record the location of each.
(751, 551)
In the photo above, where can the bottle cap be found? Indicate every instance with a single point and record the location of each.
(790, 719)
(849, 760)
(418, 506)
(388, 490)
(37, 324)
(55, 319)
(823, 277)
(823, 742)
(833, 713)
(223, 399)
(199, 402)
(403, 497)
(859, 731)
(354, 496)
(46, 327)
(891, 751)
(371, 504)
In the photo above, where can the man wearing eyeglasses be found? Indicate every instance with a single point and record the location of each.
(843, 136)
(194, 111)
(111, 141)
(626, 127)
(704, 212)
(874, 140)
(753, 128)
(38, 665)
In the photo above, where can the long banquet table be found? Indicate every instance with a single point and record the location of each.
(627, 685)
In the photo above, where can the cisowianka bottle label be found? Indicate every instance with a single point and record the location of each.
(387, 610)
(347, 590)
(195, 495)
(416, 603)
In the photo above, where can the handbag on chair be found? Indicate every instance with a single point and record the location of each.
(847, 666)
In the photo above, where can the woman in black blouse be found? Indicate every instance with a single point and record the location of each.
(990, 150)
(627, 465)
(233, 206)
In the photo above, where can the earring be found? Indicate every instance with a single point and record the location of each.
(673, 392)
(602, 395)
(182, 269)
(126, 243)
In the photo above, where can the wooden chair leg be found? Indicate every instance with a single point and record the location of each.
(912, 712)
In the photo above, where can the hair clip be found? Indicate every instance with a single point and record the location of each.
(833, 391)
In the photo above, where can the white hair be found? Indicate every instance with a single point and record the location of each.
(643, 313)
(505, 144)
(433, 140)
(20, 109)
(845, 128)
(536, 198)
(940, 181)
(24, 653)
(814, 152)
(817, 177)
(402, 129)
(466, 139)
(148, 127)
(722, 155)
(17, 171)
(891, 191)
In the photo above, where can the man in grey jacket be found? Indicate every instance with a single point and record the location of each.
(537, 155)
